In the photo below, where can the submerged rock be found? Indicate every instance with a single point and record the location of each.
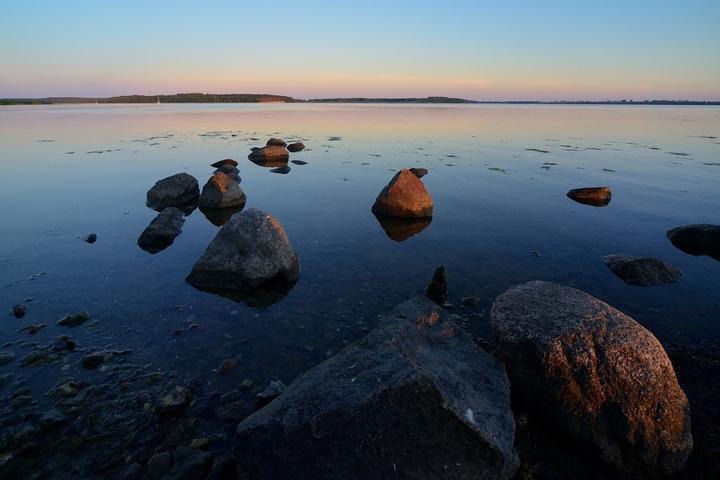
(74, 320)
(175, 191)
(595, 373)
(221, 191)
(400, 229)
(595, 196)
(404, 196)
(93, 360)
(91, 238)
(642, 272)
(299, 162)
(228, 162)
(296, 147)
(416, 398)
(250, 250)
(437, 288)
(699, 239)
(174, 402)
(162, 231)
(419, 172)
(276, 142)
(6, 357)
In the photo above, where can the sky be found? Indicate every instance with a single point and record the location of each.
(476, 49)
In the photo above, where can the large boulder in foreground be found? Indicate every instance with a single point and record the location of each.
(221, 191)
(162, 231)
(405, 196)
(699, 239)
(595, 373)
(595, 196)
(248, 251)
(641, 271)
(416, 398)
(178, 190)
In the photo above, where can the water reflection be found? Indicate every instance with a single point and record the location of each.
(220, 216)
(261, 298)
(400, 229)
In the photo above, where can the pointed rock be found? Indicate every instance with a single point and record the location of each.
(404, 196)
(595, 196)
(221, 191)
(437, 288)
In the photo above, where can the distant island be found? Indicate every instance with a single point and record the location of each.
(268, 98)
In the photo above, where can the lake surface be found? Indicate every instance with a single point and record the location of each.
(498, 176)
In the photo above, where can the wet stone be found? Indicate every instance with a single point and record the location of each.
(19, 311)
(74, 320)
(174, 402)
(93, 360)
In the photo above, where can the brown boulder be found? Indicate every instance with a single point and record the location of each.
(405, 196)
(221, 191)
(595, 196)
(271, 156)
(276, 142)
(296, 147)
(596, 373)
(226, 162)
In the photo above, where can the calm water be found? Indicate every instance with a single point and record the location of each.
(66, 171)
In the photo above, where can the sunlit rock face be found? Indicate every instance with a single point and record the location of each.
(700, 239)
(416, 398)
(595, 196)
(271, 156)
(276, 142)
(221, 191)
(592, 371)
(405, 197)
(250, 250)
(162, 231)
(400, 229)
(228, 162)
(640, 271)
(180, 190)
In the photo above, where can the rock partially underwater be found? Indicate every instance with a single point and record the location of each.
(698, 239)
(642, 272)
(596, 374)
(162, 231)
(416, 398)
(595, 196)
(250, 251)
(405, 196)
(180, 190)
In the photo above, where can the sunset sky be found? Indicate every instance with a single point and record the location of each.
(484, 50)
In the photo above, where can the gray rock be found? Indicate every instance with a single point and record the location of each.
(296, 147)
(74, 320)
(416, 398)
(271, 392)
(642, 272)
(221, 191)
(162, 231)
(175, 191)
(250, 250)
(700, 239)
(437, 288)
(595, 373)
(159, 464)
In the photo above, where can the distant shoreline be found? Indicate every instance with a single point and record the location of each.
(268, 98)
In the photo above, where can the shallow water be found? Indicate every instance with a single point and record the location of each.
(67, 171)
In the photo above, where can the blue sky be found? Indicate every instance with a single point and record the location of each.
(475, 49)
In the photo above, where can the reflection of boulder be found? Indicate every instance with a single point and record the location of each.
(221, 191)
(180, 190)
(248, 251)
(400, 229)
(595, 196)
(405, 196)
(261, 298)
(595, 373)
(220, 216)
(273, 156)
(699, 239)
(162, 230)
(284, 170)
(416, 398)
